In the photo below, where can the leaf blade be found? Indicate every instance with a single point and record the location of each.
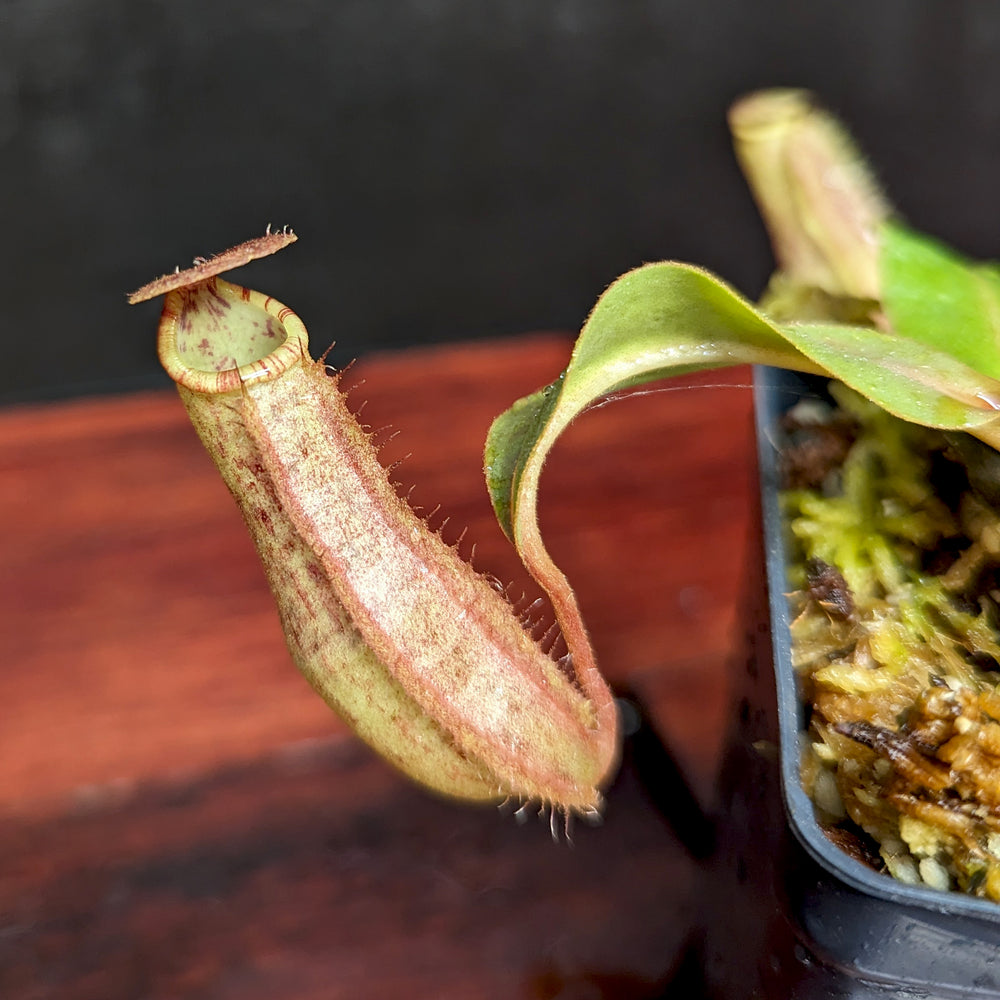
(667, 319)
(659, 320)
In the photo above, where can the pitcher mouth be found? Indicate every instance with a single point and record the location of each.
(215, 336)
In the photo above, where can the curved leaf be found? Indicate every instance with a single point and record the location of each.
(667, 319)
(656, 321)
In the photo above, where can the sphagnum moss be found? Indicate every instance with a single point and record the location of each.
(898, 574)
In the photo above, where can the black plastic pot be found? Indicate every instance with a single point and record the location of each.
(785, 913)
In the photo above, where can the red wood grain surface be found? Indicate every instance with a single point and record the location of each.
(180, 816)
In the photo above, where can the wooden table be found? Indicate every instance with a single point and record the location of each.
(181, 817)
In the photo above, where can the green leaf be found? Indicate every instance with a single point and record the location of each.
(659, 320)
(932, 295)
(667, 319)
(912, 380)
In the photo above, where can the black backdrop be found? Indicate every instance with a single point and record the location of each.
(454, 168)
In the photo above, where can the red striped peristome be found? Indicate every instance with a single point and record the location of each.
(413, 648)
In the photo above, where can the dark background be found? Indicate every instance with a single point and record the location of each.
(454, 168)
